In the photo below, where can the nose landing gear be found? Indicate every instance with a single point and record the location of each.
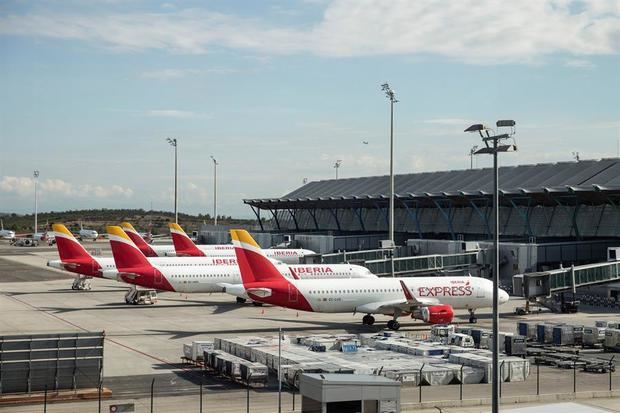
(472, 316)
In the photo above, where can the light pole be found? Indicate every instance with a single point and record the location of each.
(337, 166)
(280, 370)
(173, 142)
(472, 152)
(391, 95)
(36, 200)
(492, 146)
(215, 164)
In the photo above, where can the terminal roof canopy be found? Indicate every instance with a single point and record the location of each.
(589, 179)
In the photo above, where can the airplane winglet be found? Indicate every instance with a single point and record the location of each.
(183, 245)
(67, 245)
(407, 291)
(138, 240)
(125, 252)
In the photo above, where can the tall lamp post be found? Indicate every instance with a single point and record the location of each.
(493, 144)
(173, 142)
(391, 95)
(337, 166)
(472, 152)
(215, 164)
(35, 174)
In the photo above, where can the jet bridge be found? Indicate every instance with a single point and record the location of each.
(379, 261)
(545, 283)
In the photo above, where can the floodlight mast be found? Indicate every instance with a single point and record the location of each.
(337, 166)
(173, 142)
(492, 146)
(391, 95)
(35, 175)
(215, 164)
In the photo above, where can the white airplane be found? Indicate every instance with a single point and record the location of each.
(6, 233)
(87, 233)
(187, 274)
(184, 246)
(431, 299)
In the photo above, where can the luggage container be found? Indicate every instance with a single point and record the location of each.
(612, 339)
(481, 337)
(461, 340)
(187, 351)
(253, 373)
(527, 329)
(563, 335)
(593, 336)
(198, 349)
(440, 332)
(232, 368)
(465, 374)
(515, 345)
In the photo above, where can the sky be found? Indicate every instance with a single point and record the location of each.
(278, 91)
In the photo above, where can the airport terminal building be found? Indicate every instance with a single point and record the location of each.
(552, 216)
(559, 201)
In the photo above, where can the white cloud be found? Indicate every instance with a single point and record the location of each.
(580, 64)
(24, 186)
(167, 74)
(449, 121)
(171, 113)
(475, 31)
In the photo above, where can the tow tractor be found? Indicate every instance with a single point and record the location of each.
(141, 297)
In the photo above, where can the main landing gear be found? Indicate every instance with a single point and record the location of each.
(241, 300)
(368, 320)
(472, 316)
(393, 325)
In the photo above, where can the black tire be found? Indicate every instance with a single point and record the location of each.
(395, 325)
(473, 320)
(241, 300)
(257, 304)
(390, 324)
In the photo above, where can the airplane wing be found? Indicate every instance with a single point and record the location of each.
(407, 303)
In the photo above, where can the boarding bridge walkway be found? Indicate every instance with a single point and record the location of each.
(379, 261)
(545, 283)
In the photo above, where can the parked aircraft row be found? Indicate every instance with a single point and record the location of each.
(252, 273)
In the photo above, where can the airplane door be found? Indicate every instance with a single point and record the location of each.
(292, 294)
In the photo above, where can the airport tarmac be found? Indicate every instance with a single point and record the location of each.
(145, 342)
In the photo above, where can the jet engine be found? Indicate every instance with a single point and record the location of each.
(434, 314)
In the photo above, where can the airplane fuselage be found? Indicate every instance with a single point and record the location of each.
(348, 296)
(285, 255)
(202, 275)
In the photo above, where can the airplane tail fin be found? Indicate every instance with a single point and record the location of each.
(253, 264)
(138, 240)
(68, 247)
(183, 245)
(125, 252)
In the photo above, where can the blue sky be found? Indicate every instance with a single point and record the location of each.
(278, 91)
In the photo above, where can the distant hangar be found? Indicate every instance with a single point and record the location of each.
(555, 201)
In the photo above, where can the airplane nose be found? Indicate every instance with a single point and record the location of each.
(503, 296)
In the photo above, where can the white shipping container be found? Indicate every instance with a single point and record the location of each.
(199, 347)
